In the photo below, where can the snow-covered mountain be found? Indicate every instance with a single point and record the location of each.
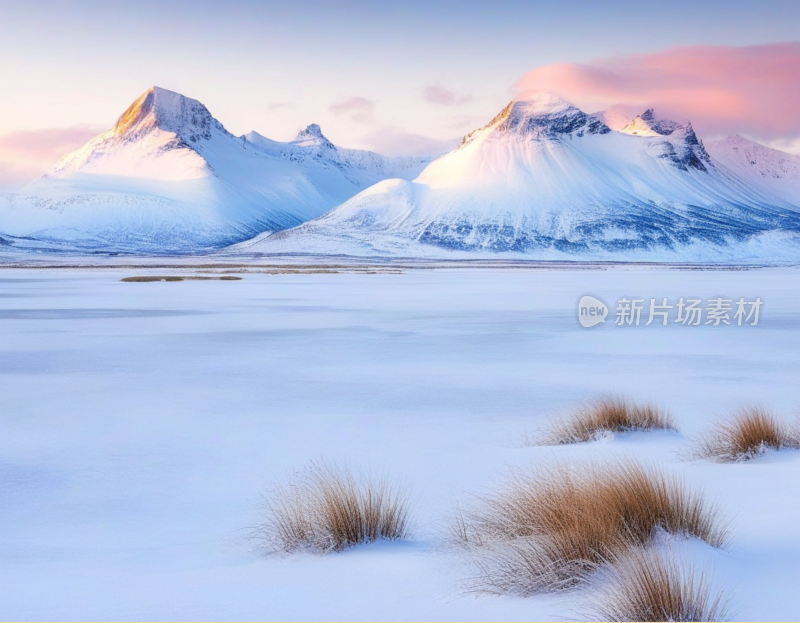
(615, 117)
(168, 177)
(545, 179)
(770, 169)
(351, 167)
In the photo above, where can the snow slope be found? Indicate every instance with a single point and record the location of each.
(170, 178)
(544, 179)
(770, 169)
(354, 167)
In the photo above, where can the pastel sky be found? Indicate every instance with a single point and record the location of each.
(405, 77)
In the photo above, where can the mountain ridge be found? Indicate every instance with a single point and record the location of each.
(169, 177)
(545, 178)
(541, 178)
(765, 167)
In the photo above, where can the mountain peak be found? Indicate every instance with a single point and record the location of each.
(159, 108)
(648, 124)
(733, 139)
(648, 115)
(542, 115)
(311, 129)
(312, 136)
(543, 104)
(546, 115)
(679, 143)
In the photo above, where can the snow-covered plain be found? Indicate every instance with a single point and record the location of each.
(140, 421)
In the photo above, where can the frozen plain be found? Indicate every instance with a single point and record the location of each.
(139, 423)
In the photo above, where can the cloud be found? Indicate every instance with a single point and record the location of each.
(392, 141)
(359, 109)
(791, 145)
(46, 144)
(437, 94)
(753, 90)
(25, 155)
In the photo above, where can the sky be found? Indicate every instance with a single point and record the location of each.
(410, 77)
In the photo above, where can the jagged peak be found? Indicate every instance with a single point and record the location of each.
(540, 106)
(542, 115)
(674, 141)
(159, 108)
(648, 124)
(311, 130)
(312, 136)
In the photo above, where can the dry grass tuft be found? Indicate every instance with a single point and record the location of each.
(653, 585)
(547, 528)
(326, 508)
(607, 415)
(751, 432)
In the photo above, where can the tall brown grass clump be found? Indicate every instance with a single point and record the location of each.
(327, 508)
(751, 432)
(547, 528)
(607, 415)
(653, 585)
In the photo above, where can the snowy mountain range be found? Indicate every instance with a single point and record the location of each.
(170, 178)
(544, 179)
(772, 170)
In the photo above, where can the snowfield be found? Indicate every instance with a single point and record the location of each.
(141, 422)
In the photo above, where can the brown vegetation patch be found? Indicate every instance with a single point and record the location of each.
(608, 415)
(327, 508)
(653, 585)
(748, 434)
(546, 529)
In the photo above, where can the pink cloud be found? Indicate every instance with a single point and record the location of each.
(437, 94)
(25, 155)
(753, 90)
(359, 109)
